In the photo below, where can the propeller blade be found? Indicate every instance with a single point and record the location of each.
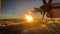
(49, 3)
(43, 15)
(39, 10)
(44, 2)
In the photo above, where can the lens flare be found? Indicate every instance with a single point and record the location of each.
(29, 18)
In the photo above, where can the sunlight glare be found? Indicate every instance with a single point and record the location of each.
(29, 18)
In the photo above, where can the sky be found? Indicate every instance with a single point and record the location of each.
(17, 8)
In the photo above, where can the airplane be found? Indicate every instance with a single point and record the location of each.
(47, 7)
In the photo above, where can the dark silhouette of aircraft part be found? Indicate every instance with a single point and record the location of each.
(47, 7)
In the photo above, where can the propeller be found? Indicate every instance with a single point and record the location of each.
(45, 8)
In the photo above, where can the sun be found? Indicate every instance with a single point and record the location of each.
(29, 18)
